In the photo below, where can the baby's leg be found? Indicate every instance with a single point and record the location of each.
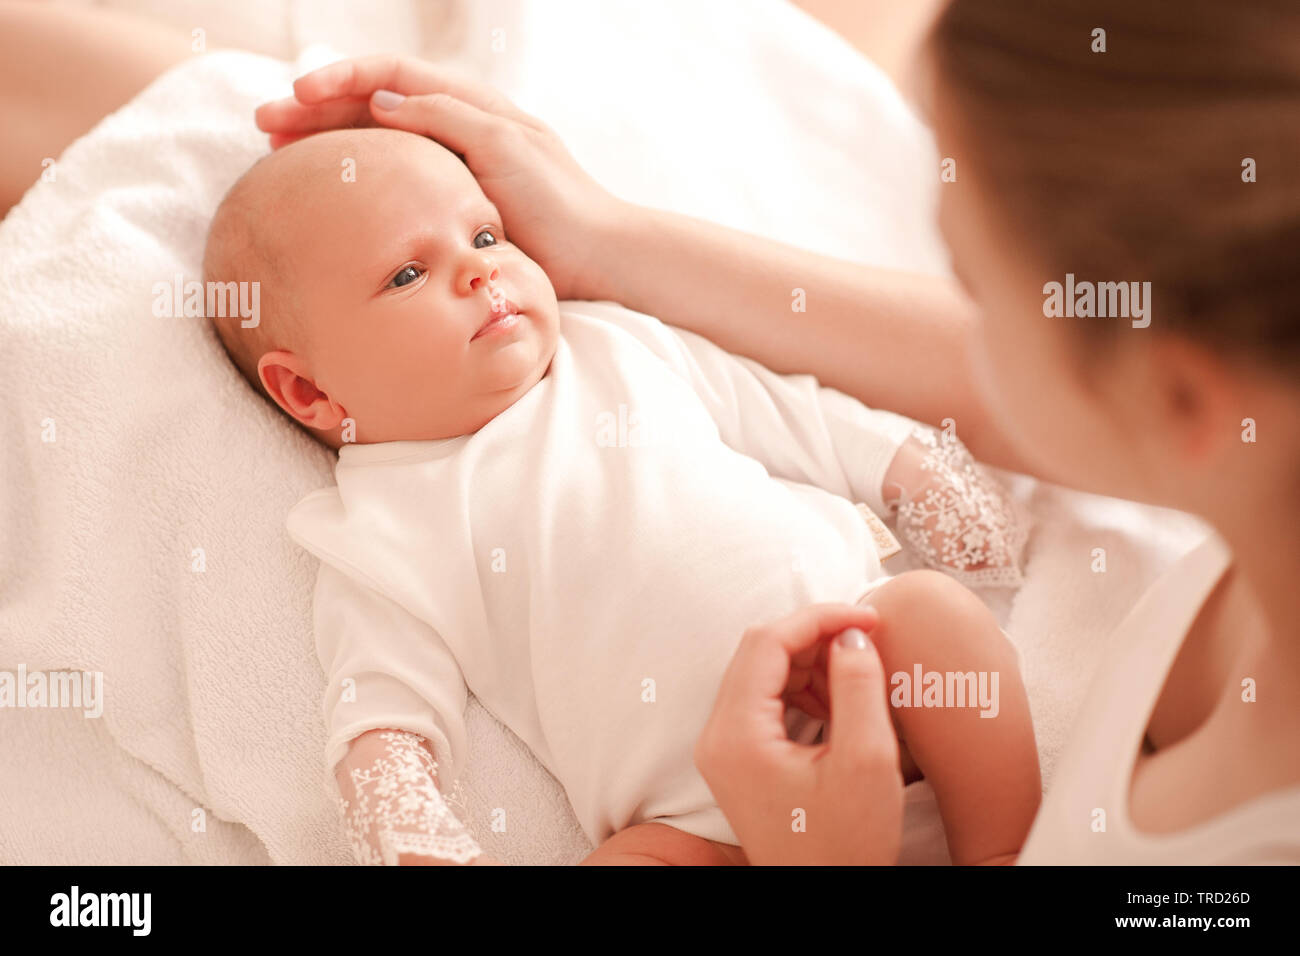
(984, 769)
(658, 844)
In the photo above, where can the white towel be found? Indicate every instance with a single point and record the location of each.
(162, 463)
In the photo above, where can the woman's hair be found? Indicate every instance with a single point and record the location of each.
(1128, 164)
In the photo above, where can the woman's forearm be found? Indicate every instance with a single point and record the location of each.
(893, 340)
(62, 69)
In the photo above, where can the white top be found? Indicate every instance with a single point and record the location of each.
(1096, 770)
(586, 562)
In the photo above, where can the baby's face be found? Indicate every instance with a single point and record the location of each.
(418, 319)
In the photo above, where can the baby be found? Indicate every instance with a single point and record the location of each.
(575, 514)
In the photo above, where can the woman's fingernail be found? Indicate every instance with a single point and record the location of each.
(387, 99)
(853, 639)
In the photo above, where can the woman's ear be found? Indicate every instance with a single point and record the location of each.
(287, 379)
(1196, 399)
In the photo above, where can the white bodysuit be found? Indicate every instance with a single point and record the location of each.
(586, 562)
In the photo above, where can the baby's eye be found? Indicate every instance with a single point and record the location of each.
(485, 234)
(406, 276)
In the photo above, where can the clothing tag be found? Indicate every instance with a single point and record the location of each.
(886, 544)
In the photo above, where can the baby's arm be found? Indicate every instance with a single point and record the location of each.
(953, 513)
(797, 429)
(394, 706)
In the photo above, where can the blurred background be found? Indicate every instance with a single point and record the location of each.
(884, 30)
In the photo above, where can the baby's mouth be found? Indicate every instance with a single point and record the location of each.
(503, 315)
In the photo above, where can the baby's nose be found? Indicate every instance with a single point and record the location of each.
(482, 271)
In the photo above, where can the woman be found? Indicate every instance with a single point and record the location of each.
(1139, 154)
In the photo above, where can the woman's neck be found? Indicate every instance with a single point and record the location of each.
(1267, 555)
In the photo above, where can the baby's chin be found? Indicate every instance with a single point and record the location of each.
(520, 360)
(516, 368)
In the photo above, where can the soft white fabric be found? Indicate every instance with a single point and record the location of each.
(1096, 773)
(749, 113)
(141, 484)
(587, 561)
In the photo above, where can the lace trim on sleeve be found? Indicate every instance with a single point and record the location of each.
(396, 808)
(959, 518)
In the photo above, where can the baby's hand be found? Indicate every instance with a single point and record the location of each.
(953, 512)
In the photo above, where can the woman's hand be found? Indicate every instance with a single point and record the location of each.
(850, 790)
(549, 206)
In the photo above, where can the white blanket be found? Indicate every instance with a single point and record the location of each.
(144, 485)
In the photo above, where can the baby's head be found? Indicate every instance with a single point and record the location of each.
(388, 292)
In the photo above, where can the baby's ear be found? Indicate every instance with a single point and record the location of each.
(287, 379)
